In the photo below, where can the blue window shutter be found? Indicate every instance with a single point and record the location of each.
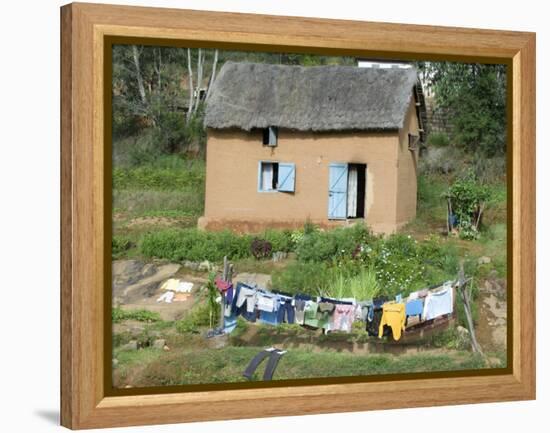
(338, 191)
(287, 175)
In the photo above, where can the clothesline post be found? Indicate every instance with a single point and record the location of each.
(466, 298)
(227, 276)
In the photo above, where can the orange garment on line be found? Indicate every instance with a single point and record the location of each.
(393, 315)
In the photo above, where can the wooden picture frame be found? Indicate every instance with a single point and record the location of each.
(87, 30)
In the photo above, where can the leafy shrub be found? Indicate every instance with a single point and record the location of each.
(119, 245)
(438, 139)
(466, 195)
(200, 316)
(450, 339)
(299, 277)
(318, 246)
(120, 315)
(195, 245)
(280, 240)
(260, 248)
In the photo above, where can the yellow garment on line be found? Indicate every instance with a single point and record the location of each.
(393, 315)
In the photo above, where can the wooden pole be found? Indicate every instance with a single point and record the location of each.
(465, 295)
(449, 228)
(222, 302)
(480, 211)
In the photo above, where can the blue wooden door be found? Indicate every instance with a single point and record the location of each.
(337, 191)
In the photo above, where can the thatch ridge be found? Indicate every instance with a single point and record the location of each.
(316, 98)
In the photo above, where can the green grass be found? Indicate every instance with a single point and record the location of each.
(227, 365)
(120, 315)
(185, 202)
(175, 175)
(363, 285)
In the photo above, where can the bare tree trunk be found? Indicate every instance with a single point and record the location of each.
(141, 87)
(213, 76)
(200, 63)
(190, 75)
(158, 67)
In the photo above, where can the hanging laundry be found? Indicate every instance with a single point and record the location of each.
(222, 285)
(244, 302)
(310, 314)
(268, 306)
(374, 316)
(343, 317)
(266, 302)
(414, 307)
(324, 315)
(286, 310)
(247, 297)
(362, 310)
(229, 323)
(229, 295)
(418, 294)
(299, 310)
(299, 307)
(393, 315)
(438, 303)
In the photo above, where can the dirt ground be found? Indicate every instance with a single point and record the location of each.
(136, 285)
(491, 326)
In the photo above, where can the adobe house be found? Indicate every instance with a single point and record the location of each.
(332, 144)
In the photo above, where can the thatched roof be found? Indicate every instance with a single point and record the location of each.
(317, 98)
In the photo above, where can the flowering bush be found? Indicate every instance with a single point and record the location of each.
(397, 261)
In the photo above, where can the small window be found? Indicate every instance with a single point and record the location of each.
(269, 136)
(269, 176)
(276, 176)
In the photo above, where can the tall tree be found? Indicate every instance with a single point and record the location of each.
(475, 95)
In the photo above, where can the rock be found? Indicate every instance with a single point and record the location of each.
(260, 280)
(135, 331)
(494, 362)
(205, 266)
(484, 260)
(159, 343)
(463, 338)
(194, 266)
(148, 270)
(131, 345)
(462, 331)
(279, 255)
(134, 280)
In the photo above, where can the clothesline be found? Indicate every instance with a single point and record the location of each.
(381, 316)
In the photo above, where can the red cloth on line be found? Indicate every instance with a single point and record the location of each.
(223, 286)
